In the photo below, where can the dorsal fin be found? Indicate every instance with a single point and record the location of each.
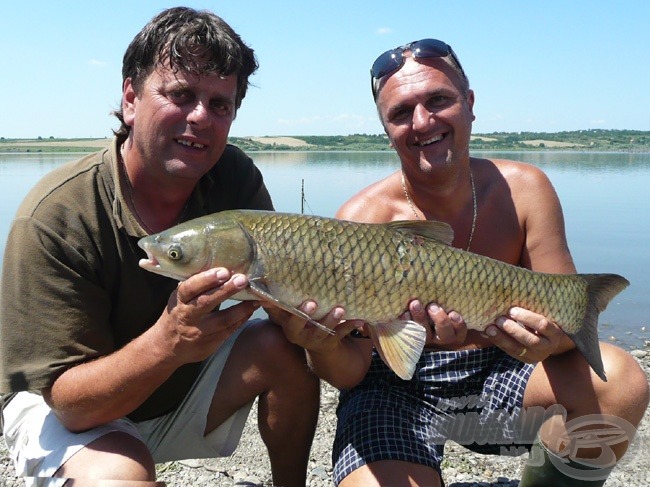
(431, 229)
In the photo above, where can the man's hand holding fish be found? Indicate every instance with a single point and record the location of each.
(346, 361)
(443, 329)
(192, 323)
(527, 336)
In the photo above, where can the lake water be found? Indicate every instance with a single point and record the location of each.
(605, 197)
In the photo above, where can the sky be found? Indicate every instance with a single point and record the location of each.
(535, 65)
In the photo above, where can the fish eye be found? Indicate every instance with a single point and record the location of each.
(175, 252)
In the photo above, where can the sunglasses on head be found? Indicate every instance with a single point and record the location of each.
(392, 60)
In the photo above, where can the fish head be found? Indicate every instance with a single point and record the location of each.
(196, 246)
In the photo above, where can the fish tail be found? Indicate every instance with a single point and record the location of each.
(601, 289)
(399, 344)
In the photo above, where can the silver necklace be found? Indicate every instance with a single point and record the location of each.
(417, 217)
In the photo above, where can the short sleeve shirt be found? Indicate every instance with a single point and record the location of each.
(72, 289)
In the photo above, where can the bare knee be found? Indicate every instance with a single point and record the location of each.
(283, 368)
(274, 352)
(627, 392)
(115, 456)
(392, 472)
(567, 380)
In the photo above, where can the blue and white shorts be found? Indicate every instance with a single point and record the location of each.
(473, 397)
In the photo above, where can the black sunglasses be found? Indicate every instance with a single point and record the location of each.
(392, 60)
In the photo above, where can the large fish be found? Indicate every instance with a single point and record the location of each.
(373, 271)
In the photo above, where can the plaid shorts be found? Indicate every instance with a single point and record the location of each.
(473, 397)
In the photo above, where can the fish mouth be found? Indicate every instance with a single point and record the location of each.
(152, 264)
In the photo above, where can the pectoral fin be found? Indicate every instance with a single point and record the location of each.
(255, 290)
(399, 344)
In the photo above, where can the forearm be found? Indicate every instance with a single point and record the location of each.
(110, 387)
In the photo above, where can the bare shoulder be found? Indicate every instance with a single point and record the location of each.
(373, 204)
(525, 182)
(516, 172)
(539, 212)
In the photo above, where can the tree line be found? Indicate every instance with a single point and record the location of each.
(582, 140)
(590, 140)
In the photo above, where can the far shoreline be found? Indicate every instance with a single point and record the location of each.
(593, 140)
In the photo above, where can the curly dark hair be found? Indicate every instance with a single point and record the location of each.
(188, 40)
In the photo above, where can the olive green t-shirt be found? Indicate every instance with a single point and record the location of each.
(72, 289)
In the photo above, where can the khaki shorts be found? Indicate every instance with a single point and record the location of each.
(39, 444)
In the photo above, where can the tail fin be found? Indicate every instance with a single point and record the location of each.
(601, 289)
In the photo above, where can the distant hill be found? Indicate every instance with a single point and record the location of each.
(53, 144)
(591, 140)
(583, 140)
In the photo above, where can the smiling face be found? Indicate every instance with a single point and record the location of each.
(179, 122)
(426, 115)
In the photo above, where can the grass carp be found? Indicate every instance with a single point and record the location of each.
(373, 271)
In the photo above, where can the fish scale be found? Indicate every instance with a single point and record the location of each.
(353, 273)
(351, 277)
(374, 271)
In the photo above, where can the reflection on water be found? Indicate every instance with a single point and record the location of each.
(602, 161)
(18, 173)
(37, 163)
(343, 158)
(604, 197)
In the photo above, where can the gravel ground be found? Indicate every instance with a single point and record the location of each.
(249, 465)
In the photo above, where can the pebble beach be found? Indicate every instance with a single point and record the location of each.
(249, 465)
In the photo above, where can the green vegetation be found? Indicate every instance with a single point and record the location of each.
(581, 140)
(587, 140)
(356, 142)
(52, 144)
(591, 140)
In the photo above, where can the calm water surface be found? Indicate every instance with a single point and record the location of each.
(605, 197)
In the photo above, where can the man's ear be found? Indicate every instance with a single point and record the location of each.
(128, 102)
(470, 103)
